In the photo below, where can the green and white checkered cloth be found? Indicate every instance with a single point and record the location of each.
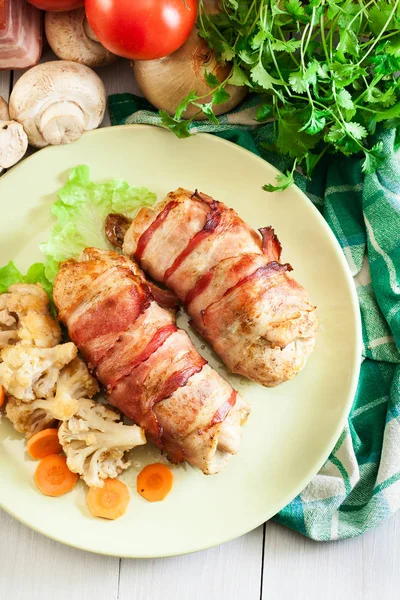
(359, 485)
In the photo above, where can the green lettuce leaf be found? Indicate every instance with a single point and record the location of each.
(9, 274)
(81, 211)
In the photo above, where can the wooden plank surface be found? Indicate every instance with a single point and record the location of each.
(36, 568)
(229, 572)
(363, 568)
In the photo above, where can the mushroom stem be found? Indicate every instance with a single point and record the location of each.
(56, 102)
(62, 123)
(89, 31)
(13, 139)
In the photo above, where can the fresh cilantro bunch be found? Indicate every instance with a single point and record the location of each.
(326, 72)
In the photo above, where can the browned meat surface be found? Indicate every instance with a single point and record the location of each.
(149, 367)
(239, 296)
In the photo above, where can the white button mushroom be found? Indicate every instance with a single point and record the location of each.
(71, 38)
(13, 139)
(57, 101)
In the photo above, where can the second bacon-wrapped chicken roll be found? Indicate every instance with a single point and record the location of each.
(149, 367)
(239, 295)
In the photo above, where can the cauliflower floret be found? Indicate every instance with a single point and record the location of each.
(95, 441)
(76, 382)
(28, 417)
(29, 373)
(24, 317)
(24, 297)
(8, 323)
(39, 330)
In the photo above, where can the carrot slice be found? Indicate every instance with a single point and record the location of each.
(44, 443)
(52, 476)
(109, 501)
(154, 482)
(2, 395)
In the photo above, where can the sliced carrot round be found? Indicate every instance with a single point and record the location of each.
(154, 482)
(52, 476)
(2, 395)
(109, 501)
(44, 443)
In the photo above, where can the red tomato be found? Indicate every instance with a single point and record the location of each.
(57, 5)
(141, 29)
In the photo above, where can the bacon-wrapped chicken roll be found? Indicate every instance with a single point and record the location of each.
(149, 367)
(229, 277)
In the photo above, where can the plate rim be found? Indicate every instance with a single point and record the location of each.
(354, 376)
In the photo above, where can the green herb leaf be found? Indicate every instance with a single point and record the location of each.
(290, 139)
(344, 99)
(285, 46)
(182, 106)
(220, 96)
(207, 109)
(265, 80)
(356, 130)
(373, 158)
(238, 76)
(315, 124)
(179, 128)
(264, 112)
(283, 181)
(295, 9)
(297, 82)
(211, 80)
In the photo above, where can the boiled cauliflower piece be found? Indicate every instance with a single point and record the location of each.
(8, 323)
(39, 330)
(29, 373)
(95, 441)
(24, 317)
(74, 382)
(24, 297)
(29, 417)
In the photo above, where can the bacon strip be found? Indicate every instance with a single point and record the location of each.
(271, 245)
(147, 235)
(223, 411)
(213, 219)
(113, 315)
(179, 379)
(199, 287)
(264, 271)
(157, 340)
(164, 298)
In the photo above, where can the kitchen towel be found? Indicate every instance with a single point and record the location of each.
(359, 485)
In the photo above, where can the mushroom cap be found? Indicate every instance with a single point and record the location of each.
(13, 143)
(68, 38)
(4, 114)
(66, 95)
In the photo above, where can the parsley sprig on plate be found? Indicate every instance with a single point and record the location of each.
(326, 72)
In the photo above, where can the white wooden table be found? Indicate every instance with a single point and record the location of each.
(269, 563)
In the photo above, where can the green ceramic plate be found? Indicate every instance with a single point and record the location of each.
(291, 429)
